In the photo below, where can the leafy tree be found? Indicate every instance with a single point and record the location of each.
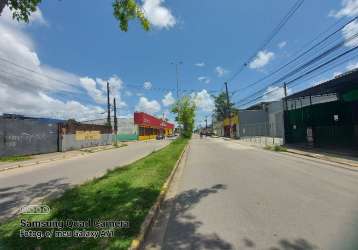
(123, 11)
(221, 106)
(185, 110)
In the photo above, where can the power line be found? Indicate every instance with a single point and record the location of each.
(298, 57)
(305, 65)
(273, 33)
(304, 74)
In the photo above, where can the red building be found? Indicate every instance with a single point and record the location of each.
(149, 126)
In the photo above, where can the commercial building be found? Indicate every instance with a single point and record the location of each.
(325, 115)
(149, 126)
(141, 126)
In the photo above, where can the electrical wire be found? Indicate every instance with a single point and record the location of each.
(274, 32)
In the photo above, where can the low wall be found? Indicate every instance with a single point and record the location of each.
(77, 136)
(127, 137)
(27, 136)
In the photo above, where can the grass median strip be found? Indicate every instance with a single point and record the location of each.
(125, 194)
(15, 158)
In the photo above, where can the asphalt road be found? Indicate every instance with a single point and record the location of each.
(231, 196)
(28, 185)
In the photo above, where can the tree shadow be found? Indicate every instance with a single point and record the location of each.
(14, 197)
(182, 231)
(298, 244)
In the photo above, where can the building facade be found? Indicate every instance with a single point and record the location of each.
(149, 127)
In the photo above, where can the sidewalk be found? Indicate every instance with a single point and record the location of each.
(330, 156)
(56, 156)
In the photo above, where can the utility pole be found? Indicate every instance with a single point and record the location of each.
(115, 119)
(228, 111)
(108, 107)
(285, 110)
(177, 79)
(206, 125)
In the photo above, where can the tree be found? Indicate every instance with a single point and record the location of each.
(185, 115)
(221, 106)
(123, 11)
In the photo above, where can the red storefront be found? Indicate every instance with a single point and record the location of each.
(149, 126)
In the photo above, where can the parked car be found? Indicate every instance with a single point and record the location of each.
(160, 137)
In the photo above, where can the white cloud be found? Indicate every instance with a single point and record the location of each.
(144, 105)
(147, 85)
(128, 93)
(203, 101)
(335, 74)
(348, 32)
(262, 59)
(168, 99)
(40, 104)
(274, 94)
(349, 9)
(97, 89)
(282, 44)
(23, 91)
(200, 64)
(220, 71)
(352, 65)
(158, 15)
(204, 79)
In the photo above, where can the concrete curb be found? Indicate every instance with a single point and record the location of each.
(153, 212)
(81, 153)
(323, 158)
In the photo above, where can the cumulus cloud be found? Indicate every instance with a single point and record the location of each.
(352, 65)
(204, 79)
(168, 99)
(261, 60)
(348, 32)
(147, 85)
(200, 64)
(97, 89)
(147, 106)
(220, 71)
(349, 9)
(282, 44)
(203, 101)
(273, 94)
(158, 15)
(30, 87)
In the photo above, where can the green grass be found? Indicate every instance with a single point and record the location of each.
(276, 148)
(122, 194)
(15, 158)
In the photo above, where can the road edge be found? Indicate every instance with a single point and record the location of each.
(154, 210)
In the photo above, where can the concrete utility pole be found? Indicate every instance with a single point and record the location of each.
(206, 124)
(177, 78)
(115, 120)
(228, 111)
(108, 107)
(115, 116)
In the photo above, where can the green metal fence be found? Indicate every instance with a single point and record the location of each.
(332, 124)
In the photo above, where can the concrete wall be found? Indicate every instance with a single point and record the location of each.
(70, 142)
(276, 121)
(75, 135)
(25, 136)
(252, 123)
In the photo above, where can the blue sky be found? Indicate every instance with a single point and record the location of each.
(80, 44)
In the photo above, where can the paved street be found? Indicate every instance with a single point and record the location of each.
(26, 185)
(231, 196)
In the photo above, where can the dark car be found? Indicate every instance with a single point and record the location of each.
(160, 137)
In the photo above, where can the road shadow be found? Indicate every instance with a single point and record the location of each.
(14, 197)
(182, 231)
